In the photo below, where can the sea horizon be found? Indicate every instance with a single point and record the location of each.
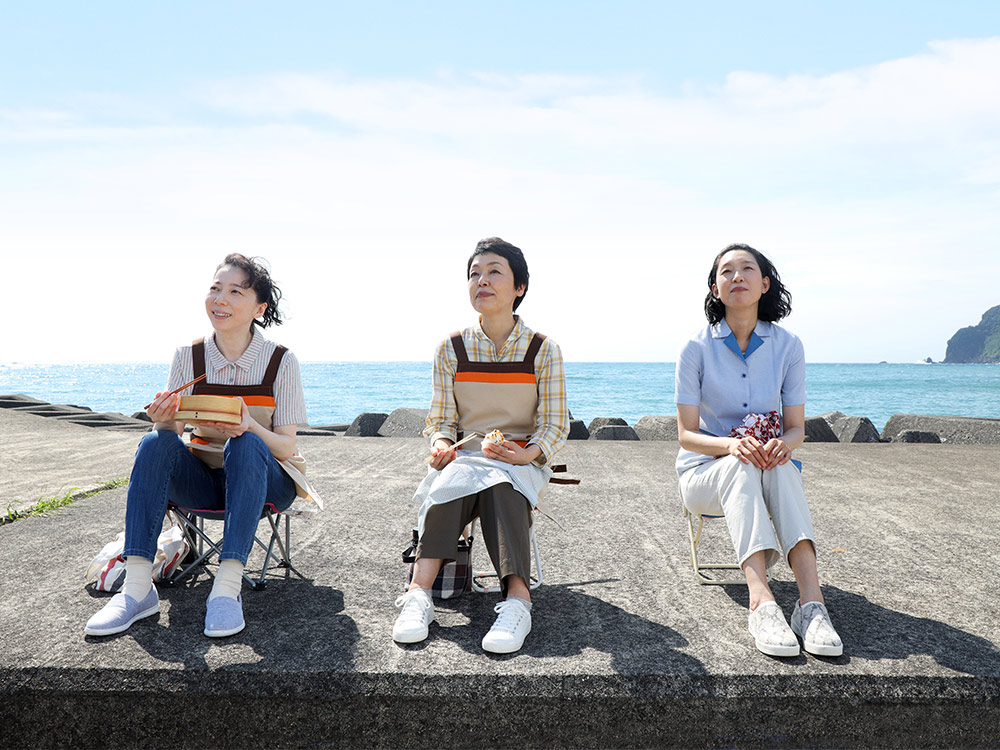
(336, 392)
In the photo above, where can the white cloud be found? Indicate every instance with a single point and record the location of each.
(873, 189)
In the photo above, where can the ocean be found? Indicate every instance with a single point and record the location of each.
(336, 392)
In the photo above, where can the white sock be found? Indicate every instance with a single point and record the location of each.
(423, 594)
(525, 602)
(229, 580)
(138, 577)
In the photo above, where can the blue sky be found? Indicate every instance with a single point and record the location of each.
(363, 148)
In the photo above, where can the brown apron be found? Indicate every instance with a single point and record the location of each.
(208, 444)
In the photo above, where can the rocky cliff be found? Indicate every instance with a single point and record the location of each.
(980, 343)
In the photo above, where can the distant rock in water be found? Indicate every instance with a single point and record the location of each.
(979, 343)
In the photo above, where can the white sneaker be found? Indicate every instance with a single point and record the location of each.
(415, 618)
(770, 631)
(511, 627)
(811, 622)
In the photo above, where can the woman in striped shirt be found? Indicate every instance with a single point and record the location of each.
(233, 469)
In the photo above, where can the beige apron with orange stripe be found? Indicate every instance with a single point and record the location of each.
(489, 396)
(497, 395)
(208, 444)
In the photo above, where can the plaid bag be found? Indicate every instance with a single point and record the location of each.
(454, 578)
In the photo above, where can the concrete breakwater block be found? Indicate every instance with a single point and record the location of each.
(323, 430)
(404, 423)
(656, 428)
(818, 430)
(855, 430)
(614, 432)
(832, 416)
(577, 429)
(17, 400)
(54, 410)
(598, 422)
(961, 430)
(366, 424)
(917, 436)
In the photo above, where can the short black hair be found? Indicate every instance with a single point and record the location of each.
(514, 256)
(774, 305)
(258, 279)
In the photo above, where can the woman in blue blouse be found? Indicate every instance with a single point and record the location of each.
(736, 379)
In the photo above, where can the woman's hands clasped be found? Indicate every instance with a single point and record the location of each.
(750, 450)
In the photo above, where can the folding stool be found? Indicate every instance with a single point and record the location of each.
(277, 551)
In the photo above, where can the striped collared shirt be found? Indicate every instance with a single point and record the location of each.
(552, 419)
(249, 369)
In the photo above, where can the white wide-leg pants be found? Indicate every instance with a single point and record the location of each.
(750, 499)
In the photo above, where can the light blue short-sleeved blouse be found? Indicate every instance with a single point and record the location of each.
(726, 385)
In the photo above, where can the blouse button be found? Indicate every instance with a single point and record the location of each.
(744, 406)
(744, 374)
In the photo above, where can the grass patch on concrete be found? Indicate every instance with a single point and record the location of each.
(49, 504)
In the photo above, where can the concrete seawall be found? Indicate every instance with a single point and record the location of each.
(626, 649)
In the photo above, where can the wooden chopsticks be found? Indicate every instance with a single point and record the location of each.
(463, 441)
(196, 380)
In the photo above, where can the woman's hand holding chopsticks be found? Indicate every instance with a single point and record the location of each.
(443, 451)
(163, 407)
(442, 454)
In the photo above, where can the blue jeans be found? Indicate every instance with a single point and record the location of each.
(165, 469)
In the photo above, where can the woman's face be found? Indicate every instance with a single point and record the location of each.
(491, 285)
(738, 280)
(229, 305)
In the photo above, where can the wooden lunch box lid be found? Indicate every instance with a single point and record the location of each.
(197, 409)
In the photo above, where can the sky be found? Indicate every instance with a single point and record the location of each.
(364, 148)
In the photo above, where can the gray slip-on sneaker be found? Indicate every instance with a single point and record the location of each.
(224, 616)
(119, 614)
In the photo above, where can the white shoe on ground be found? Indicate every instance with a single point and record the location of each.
(511, 627)
(770, 631)
(811, 622)
(415, 618)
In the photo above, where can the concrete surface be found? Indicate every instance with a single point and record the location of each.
(43, 457)
(626, 649)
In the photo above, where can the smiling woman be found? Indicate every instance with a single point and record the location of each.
(235, 467)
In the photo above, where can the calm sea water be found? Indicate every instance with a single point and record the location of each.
(336, 392)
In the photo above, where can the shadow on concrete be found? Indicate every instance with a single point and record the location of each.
(872, 632)
(292, 626)
(566, 622)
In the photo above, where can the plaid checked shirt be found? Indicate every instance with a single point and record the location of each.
(552, 418)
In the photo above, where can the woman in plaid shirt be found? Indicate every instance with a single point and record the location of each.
(495, 375)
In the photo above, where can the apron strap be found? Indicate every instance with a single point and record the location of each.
(198, 357)
(271, 374)
(459, 346)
